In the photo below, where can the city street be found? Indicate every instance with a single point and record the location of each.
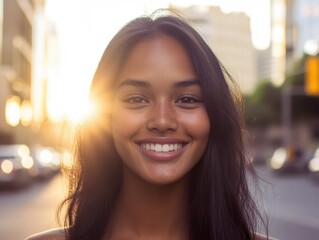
(290, 200)
(292, 203)
(29, 210)
(241, 73)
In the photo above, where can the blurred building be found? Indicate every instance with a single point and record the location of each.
(264, 64)
(21, 78)
(305, 17)
(229, 35)
(295, 31)
(278, 46)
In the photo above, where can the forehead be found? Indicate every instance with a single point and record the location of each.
(161, 56)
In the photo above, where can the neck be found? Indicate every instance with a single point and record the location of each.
(151, 211)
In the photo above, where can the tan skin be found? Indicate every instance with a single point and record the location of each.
(163, 105)
(57, 234)
(158, 101)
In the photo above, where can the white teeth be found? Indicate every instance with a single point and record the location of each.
(165, 148)
(162, 147)
(158, 148)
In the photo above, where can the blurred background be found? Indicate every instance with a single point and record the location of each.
(49, 50)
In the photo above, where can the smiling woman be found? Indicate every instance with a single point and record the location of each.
(161, 109)
(163, 158)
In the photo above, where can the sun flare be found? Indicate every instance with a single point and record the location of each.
(67, 90)
(78, 110)
(69, 103)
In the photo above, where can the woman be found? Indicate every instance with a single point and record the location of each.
(163, 157)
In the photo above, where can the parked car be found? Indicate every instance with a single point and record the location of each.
(46, 161)
(16, 165)
(313, 164)
(289, 159)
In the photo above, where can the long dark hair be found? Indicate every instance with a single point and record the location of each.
(221, 204)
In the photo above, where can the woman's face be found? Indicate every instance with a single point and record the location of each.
(159, 123)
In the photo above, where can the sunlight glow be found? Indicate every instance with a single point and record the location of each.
(26, 113)
(12, 111)
(78, 111)
(46, 157)
(67, 159)
(83, 37)
(72, 105)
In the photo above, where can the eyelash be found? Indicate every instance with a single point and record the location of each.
(183, 101)
(136, 100)
(189, 100)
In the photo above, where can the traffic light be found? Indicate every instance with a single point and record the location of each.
(312, 76)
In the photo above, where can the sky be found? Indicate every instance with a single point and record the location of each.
(85, 26)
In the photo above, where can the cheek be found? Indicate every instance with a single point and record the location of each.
(201, 136)
(198, 125)
(125, 122)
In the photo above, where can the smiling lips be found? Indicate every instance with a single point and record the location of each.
(156, 147)
(162, 151)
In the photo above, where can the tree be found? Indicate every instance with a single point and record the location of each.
(263, 106)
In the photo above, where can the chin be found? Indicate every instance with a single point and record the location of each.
(162, 180)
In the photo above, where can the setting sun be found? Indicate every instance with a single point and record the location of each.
(79, 110)
(69, 101)
(83, 37)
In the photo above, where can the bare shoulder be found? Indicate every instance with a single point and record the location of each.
(262, 237)
(53, 234)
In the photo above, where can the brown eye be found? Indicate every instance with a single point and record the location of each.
(188, 100)
(136, 100)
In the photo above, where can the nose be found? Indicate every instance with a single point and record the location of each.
(162, 118)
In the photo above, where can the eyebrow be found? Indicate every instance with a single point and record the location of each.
(144, 84)
(134, 83)
(186, 83)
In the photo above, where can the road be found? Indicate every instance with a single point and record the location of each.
(291, 201)
(29, 210)
(292, 205)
